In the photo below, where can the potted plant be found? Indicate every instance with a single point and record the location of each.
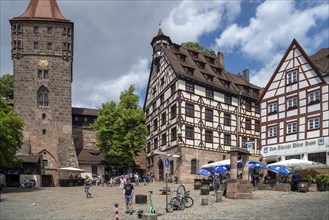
(322, 180)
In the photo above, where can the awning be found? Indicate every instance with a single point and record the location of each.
(71, 169)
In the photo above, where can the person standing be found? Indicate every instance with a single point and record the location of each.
(216, 183)
(136, 177)
(122, 182)
(87, 184)
(128, 192)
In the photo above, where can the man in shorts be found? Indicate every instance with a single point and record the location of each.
(87, 184)
(128, 192)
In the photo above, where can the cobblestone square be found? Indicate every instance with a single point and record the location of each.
(71, 203)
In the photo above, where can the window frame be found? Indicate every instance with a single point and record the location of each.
(272, 131)
(291, 127)
(209, 136)
(292, 100)
(313, 121)
(314, 97)
(189, 132)
(292, 77)
(209, 93)
(189, 87)
(189, 110)
(173, 114)
(227, 140)
(248, 124)
(164, 139)
(227, 119)
(209, 114)
(227, 99)
(272, 107)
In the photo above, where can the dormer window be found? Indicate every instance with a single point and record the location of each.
(210, 60)
(246, 89)
(209, 78)
(255, 93)
(176, 48)
(216, 70)
(200, 65)
(194, 55)
(189, 71)
(226, 84)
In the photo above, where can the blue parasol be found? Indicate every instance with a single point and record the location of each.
(204, 172)
(255, 164)
(221, 169)
(279, 169)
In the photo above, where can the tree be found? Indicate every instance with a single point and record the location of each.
(7, 86)
(121, 132)
(11, 135)
(198, 47)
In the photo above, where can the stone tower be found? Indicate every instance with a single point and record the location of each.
(42, 53)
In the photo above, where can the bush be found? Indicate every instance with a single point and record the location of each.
(322, 178)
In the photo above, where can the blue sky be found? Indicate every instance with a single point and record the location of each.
(112, 38)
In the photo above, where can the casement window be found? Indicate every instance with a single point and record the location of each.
(209, 93)
(148, 129)
(189, 87)
(49, 30)
(227, 119)
(292, 103)
(154, 105)
(314, 97)
(35, 29)
(257, 107)
(189, 110)
(248, 124)
(164, 139)
(227, 99)
(173, 110)
(313, 123)
(209, 136)
(148, 148)
(162, 99)
(272, 108)
(162, 81)
(36, 45)
(189, 132)
(163, 118)
(257, 125)
(272, 131)
(147, 112)
(292, 77)
(227, 139)
(209, 114)
(173, 88)
(189, 71)
(43, 74)
(248, 105)
(155, 124)
(49, 46)
(173, 134)
(291, 127)
(156, 143)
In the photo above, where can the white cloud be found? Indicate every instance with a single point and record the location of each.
(192, 19)
(270, 32)
(110, 90)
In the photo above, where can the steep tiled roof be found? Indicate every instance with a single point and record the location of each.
(84, 111)
(91, 156)
(321, 60)
(206, 70)
(42, 10)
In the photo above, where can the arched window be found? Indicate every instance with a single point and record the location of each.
(43, 96)
(193, 166)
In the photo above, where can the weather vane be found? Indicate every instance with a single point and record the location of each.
(160, 24)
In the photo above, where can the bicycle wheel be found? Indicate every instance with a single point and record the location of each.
(174, 202)
(182, 204)
(188, 202)
(170, 207)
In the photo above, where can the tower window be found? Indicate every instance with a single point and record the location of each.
(43, 115)
(49, 46)
(44, 131)
(43, 96)
(49, 30)
(36, 45)
(35, 29)
(43, 74)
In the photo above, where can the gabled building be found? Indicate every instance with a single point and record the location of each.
(294, 108)
(196, 109)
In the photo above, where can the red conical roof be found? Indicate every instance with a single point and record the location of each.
(42, 10)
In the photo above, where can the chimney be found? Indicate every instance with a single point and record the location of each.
(245, 74)
(220, 57)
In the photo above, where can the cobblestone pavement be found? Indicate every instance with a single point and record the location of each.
(70, 203)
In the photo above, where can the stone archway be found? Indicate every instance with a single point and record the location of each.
(161, 170)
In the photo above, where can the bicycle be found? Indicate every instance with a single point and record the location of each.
(180, 203)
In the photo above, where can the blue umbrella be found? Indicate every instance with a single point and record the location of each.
(221, 169)
(255, 164)
(280, 169)
(204, 172)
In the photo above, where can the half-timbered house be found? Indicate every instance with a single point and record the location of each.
(196, 110)
(294, 107)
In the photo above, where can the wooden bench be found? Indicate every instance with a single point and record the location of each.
(164, 191)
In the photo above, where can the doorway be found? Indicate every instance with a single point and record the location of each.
(160, 164)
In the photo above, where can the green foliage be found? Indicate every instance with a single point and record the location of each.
(11, 135)
(121, 132)
(7, 86)
(198, 47)
(322, 178)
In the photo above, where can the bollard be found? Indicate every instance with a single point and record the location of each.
(204, 201)
(116, 211)
(218, 196)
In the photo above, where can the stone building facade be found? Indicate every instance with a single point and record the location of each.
(42, 54)
(196, 110)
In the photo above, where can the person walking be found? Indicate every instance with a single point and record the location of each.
(87, 184)
(136, 177)
(128, 192)
(216, 183)
(122, 182)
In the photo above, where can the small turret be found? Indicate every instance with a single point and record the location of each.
(160, 40)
